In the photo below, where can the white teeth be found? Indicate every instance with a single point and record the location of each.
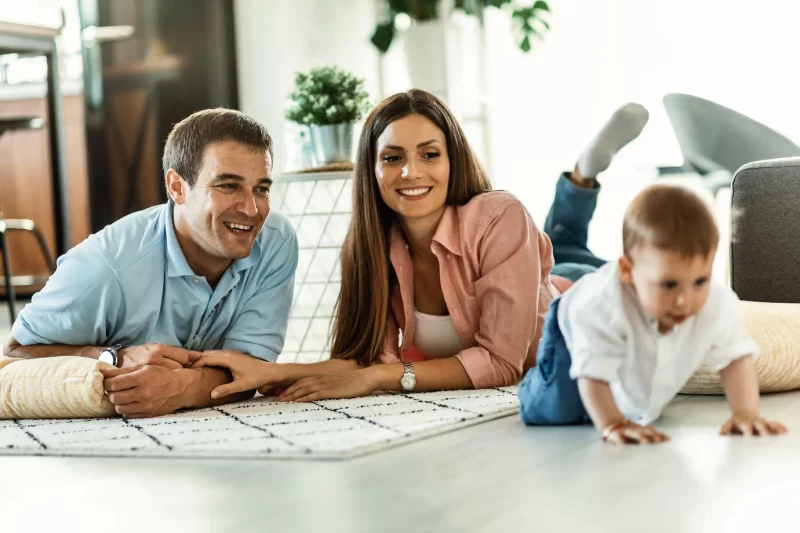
(239, 227)
(413, 192)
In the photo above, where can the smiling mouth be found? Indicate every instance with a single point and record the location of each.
(414, 192)
(238, 228)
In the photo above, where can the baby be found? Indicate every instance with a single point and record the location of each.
(619, 345)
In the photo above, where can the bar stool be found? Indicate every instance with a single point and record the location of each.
(12, 123)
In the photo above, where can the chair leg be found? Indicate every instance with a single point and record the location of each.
(10, 293)
(51, 264)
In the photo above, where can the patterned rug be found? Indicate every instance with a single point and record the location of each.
(263, 428)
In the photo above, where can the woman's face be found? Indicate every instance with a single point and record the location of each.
(412, 167)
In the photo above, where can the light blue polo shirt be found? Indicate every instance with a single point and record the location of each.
(130, 284)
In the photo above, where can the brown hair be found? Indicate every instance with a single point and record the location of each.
(363, 307)
(672, 218)
(188, 139)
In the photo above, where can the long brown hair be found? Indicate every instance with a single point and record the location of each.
(363, 307)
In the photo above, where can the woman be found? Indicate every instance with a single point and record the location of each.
(434, 253)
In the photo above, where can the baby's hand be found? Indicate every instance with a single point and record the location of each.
(748, 424)
(628, 432)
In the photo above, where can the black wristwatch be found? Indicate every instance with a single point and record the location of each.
(111, 355)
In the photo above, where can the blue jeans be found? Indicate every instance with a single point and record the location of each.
(547, 394)
(567, 225)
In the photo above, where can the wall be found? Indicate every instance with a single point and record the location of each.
(546, 105)
(276, 38)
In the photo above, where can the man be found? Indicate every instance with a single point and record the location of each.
(208, 270)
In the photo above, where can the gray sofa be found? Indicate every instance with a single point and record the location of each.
(765, 248)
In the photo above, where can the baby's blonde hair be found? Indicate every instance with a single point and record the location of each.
(670, 218)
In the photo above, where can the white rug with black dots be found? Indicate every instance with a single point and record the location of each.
(264, 428)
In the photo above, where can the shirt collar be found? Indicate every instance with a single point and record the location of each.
(176, 261)
(447, 234)
(250, 260)
(177, 266)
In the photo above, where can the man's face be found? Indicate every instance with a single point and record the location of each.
(227, 207)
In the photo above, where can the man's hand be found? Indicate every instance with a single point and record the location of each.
(157, 355)
(145, 391)
(248, 372)
(748, 423)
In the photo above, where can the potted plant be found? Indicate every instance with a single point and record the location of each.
(527, 17)
(329, 101)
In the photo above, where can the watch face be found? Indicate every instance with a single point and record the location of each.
(107, 357)
(407, 382)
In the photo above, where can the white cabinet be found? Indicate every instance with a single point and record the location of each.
(318, 206)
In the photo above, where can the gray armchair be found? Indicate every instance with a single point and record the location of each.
(765, 249)
(716, 141)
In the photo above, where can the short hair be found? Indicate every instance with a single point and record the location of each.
(189, 138)
(672, 218)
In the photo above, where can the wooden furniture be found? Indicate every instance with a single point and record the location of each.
(19, 38)
(26, 178)
(9, 124)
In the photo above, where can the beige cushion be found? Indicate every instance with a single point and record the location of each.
(776, 329)
(53, 387)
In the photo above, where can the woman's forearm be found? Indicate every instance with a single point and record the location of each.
(291, 372)
(437, 374)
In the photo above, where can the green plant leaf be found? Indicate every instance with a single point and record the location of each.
(383, 36)
(498, 3)
(470, 7)
(525, 44)
(541, 5)
(327, 95)
(399, 6)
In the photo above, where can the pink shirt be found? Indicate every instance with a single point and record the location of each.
(494, 267)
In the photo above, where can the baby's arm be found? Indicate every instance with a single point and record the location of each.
(606, 416)
(741, 389)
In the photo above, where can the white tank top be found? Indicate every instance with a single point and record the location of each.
(436, 336)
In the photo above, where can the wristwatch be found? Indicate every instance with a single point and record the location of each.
(409, 380)
(111, 355)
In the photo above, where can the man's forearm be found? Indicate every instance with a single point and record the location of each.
(36, 351)
(202, 381)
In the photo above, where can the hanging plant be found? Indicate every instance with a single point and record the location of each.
(527, 19)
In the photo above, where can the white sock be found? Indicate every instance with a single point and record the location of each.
(624, 126)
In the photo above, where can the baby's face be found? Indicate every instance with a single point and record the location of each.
(670, 287)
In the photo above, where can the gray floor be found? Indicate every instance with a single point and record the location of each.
(498, 476)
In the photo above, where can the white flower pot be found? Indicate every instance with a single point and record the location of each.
(332, 143)
(426, 56)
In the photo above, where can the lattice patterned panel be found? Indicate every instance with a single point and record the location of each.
(318, 206)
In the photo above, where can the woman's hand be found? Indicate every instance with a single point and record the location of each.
(748, 423)
(343, 385)
(248, 372)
